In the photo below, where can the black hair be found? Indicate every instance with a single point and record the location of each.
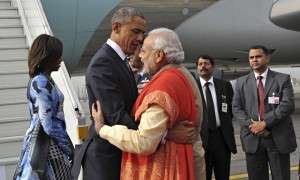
(265, 50)
(43, 49)
(205, 56)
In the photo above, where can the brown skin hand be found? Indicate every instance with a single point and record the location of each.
(97, 116)
(183, 132)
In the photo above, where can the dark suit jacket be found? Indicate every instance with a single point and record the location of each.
(223, 88)
(109, 80)
(277, 116)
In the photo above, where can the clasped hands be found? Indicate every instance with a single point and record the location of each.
(257, 127)
(183, 132)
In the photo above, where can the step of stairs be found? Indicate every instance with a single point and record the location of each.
(8, 8)
(12, 96)
(10, 146)
(14, 110)
(5, 4)
(12, 81)
(13, 42)
(14, 67)
(9, 13)
(8, 54)
(16, 126)
(12, 31)
(7, 167)
(4, 22)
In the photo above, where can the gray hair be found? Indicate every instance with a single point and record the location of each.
(168, 41)
(125, 15)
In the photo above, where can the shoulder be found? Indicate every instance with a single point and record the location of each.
(101, 56)
(224, 85)
(242, 82)
(243, 79)
(171, 74)
(100, 62)
(40, 82)
(279, 75)
(169, 78)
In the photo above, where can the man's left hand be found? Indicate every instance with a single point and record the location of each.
(97, 116)
(183, 132)
(257, 126)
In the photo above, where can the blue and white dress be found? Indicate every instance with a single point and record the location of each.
(46, 105)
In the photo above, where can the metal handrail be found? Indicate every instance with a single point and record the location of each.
(45, 23)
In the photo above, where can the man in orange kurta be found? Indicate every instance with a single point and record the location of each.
(168, 98)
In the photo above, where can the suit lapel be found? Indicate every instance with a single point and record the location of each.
(269, 82)
(253, 90)
(218, 89)
(121, 64)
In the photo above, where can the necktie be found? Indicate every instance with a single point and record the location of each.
(210, 108)
(126, 61)
(261, 97)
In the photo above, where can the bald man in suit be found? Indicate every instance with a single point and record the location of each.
(263, 103)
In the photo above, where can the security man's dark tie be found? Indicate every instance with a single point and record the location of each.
(210, 108)
(261, 97)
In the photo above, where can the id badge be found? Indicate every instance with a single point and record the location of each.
(224, 107)
(273, 100)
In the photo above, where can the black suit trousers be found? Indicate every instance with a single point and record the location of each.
(101, 166)
(217, 156)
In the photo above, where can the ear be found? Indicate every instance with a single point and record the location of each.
(160, 56)
(116, 27)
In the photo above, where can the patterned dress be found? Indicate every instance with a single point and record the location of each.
(45, 104)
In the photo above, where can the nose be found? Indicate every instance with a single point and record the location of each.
(140, 37)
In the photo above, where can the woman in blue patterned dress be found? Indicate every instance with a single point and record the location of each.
(45, 102)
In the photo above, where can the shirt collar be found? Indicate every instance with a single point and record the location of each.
(117, 48)
(202, 81)
(264, 74)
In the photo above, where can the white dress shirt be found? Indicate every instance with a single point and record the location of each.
(264, 75)
(214, 97)
(117, 48)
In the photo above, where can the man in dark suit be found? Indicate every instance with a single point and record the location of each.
(263, 103)
(217, 130)
(110, 80)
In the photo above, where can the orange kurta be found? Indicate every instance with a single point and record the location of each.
(170, 90)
